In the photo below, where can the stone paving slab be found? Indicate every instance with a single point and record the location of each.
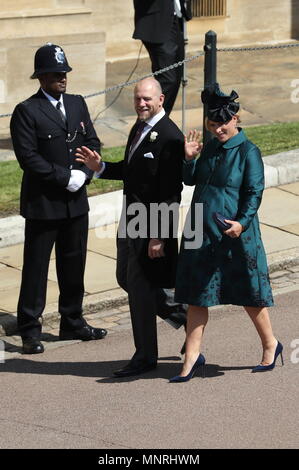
(99, 241)
(293, 228)
(290, 188)
(12, 255)
(99, 273)
(276, 240)
(279, 208)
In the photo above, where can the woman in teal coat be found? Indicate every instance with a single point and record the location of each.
(230, 266)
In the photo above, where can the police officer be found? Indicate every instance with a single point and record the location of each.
(45, 130)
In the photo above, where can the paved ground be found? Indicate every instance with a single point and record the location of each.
(67, 398)
(117, 318)
(263, 80)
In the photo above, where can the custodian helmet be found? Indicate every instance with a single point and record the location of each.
(50, 58)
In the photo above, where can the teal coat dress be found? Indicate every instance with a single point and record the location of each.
(228, 178)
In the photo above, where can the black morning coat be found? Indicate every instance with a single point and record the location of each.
(45, 149)
(154, 180)
(154, 18)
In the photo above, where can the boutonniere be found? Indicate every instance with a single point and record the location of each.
(153, 136)
(83, 128)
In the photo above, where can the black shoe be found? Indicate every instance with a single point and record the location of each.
(86, 333)
(132, 369)
(32, 346)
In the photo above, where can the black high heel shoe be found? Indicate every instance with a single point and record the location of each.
(200, 362)
(278, 351)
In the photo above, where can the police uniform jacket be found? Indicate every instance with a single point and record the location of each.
(45, 149)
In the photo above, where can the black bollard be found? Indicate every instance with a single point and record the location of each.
(210, 73)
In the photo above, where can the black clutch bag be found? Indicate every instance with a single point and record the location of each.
(220, 221)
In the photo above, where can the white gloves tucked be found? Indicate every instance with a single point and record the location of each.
(77, 180)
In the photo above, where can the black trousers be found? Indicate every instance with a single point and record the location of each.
(70, 238)
(168, 53)
(145, 302)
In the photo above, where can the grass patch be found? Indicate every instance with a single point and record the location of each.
(270, 139)
(275, 138)
(11, 177)
(100, 186)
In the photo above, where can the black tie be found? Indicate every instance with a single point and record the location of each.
(60, 112)
(140, 126)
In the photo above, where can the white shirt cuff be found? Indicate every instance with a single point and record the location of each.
(77, 180)
(98, 174)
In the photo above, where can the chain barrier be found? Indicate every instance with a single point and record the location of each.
(257, 48)
(179, 64)
(136, 80)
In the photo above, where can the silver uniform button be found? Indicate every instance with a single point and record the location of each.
(49, 136)
(71, 150)
(71, 167)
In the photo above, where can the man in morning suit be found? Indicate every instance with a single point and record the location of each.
(152, 173)
(45, 130)
(159, 25)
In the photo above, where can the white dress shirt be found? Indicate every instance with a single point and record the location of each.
(54, 102)
(150, 123)
(177, 8)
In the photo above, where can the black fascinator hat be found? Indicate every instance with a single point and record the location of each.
(221, 107)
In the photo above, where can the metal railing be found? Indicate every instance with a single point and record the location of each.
(208, 8)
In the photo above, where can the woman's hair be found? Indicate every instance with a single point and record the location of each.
(207, 121)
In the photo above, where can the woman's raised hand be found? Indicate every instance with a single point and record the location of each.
(193, 144)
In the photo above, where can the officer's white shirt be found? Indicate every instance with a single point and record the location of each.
(78, 177)
(54, 102)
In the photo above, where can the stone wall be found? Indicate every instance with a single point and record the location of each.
(25, 25)
(85, 54)
(95, 32)
(247, 21)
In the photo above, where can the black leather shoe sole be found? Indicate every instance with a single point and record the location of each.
(85, 334)
(32, 346)
(130, 371)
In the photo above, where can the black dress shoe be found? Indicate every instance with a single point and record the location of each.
(32, 346)
(132, 369)
(86, 333)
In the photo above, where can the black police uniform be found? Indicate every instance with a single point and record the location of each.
(45, 148)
